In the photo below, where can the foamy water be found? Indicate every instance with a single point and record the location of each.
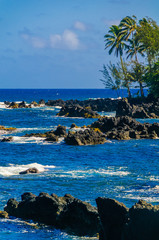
(13, 169)
(91, 173)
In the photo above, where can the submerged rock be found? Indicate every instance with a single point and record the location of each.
(7, 139)
(30, 170)
(69, 213)
(86, 137)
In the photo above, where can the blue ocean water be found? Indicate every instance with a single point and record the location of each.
(125, 170)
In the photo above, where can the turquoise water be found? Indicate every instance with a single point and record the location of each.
(125, 170)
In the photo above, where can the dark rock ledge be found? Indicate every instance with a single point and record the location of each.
(78, 111)
(66, 213)
(112, 220)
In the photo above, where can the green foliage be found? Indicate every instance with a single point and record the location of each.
(131, 39)
(152, 79)
(148, 35)
(111, 77)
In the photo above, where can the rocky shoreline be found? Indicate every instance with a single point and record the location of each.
(147, 107)
(99, 132)
(111, 220)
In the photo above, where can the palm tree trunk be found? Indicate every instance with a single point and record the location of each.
(127, 83)
(141, 89)
(129, 93)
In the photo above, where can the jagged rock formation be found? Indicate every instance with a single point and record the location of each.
(68, 213)
(86, 137)
(125, 128)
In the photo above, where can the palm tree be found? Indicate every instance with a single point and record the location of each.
(115, 42)
(133, 47)
(128, 26)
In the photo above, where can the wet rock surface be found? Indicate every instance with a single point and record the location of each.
(68, 213)
(86, 137)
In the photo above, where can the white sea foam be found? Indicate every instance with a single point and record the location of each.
(91, 173)
(37, 140)
(147, 199)
(13, 169)
(32, 129)
(2, 105)
(23, 140)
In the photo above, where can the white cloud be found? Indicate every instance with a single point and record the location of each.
(68, 40)
(80, 26)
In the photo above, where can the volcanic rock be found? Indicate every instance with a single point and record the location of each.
(73, 215)
(86, 137)
(77, 111)
(125, 128)
(113, 216)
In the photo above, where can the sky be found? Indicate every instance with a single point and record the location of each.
(60, 43)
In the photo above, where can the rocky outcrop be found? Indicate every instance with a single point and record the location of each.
(35, 104)
(142, 110)
(42, 102)
(3, 214)
(113, 216)
(30, 171)
(51, 136)
(7, 129)
(112, 220)
(99, 105)
(68, 213)
(57, 102)
(86, 137)
(125, 128)
(141, 221)
(77, 111)
(22, 104)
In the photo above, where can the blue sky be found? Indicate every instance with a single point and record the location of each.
(60, 43)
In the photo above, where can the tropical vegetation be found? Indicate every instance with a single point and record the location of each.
(136, 46)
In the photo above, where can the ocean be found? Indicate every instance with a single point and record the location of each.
(124, 170)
